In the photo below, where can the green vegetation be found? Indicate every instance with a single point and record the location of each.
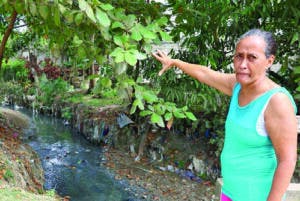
(99, 53)
(10, 194)
(8, 175)
(14, 70)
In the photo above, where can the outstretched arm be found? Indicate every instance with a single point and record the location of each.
(221, 81)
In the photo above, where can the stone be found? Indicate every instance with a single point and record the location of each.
(293, 192)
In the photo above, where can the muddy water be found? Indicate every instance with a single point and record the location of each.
(72, 166)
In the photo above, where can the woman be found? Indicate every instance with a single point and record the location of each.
(260, 147)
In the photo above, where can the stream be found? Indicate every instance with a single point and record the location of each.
(73, 166)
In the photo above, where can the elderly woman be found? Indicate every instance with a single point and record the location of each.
(260, 148)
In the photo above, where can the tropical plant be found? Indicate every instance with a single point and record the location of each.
(14, 70)
(49, 90)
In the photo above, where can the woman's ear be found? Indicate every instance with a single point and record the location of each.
(271, 60)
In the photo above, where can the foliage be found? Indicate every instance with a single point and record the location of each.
(206, 33)
(210, 30)
(101, 21)
(14, 70)
(8, 175)
(103, 87)
(159, 110)
(10, 91)
(66, 113)
(49, 90)
(118, 37)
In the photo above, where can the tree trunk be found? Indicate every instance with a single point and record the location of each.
(7, 33)
(91, 71)
(92, 80)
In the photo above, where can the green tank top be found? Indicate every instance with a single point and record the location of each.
(248, 159)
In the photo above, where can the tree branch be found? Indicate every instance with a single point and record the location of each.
(7, 33)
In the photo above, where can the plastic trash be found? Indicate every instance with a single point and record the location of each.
(123, 120)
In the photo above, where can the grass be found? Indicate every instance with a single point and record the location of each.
(89, 100)
(11, 194)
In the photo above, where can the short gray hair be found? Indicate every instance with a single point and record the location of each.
(271, 46)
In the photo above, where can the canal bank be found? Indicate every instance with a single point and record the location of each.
(140, 180)
(21, 173)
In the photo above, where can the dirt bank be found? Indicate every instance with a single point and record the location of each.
(20, 168)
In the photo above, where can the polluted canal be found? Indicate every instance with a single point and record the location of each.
(72, 166)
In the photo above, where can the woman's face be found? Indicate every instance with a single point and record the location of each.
(250, 62)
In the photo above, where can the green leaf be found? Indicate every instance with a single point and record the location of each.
(296, 70)
(133, 109)
(295, 38)
(160, 109)
(162, 21)
(136, 35)
(184, 108)
(107, 7)
(56, 17)
(105, 82)
(178, 114)
(90, 13)
(77, 41)
(106, 34)
(168, 116)
(85, 7)
(165, 36)
(147, 33)
(32, 8)
(139, 103)
(120, 68)
(62, 9)
(78, 18)
(297, 96)
(81, 52)
(68, 16)
(130, 58)
(149, 96)
(155, 118)
(129, 21)
(19, 7)
(120, 40)
(100, 59)
(116, 51)
(119, 57)
(44, 11)
(102, 18)
(82, 4)
(70, 2)
(150, 107)
(145, 113)
(117, 25)
(190, 116)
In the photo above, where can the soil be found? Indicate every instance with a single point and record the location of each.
(160, 185)
(19, 165)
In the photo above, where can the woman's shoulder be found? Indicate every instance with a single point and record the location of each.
(282, 100)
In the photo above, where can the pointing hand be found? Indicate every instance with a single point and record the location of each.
(165, 60)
